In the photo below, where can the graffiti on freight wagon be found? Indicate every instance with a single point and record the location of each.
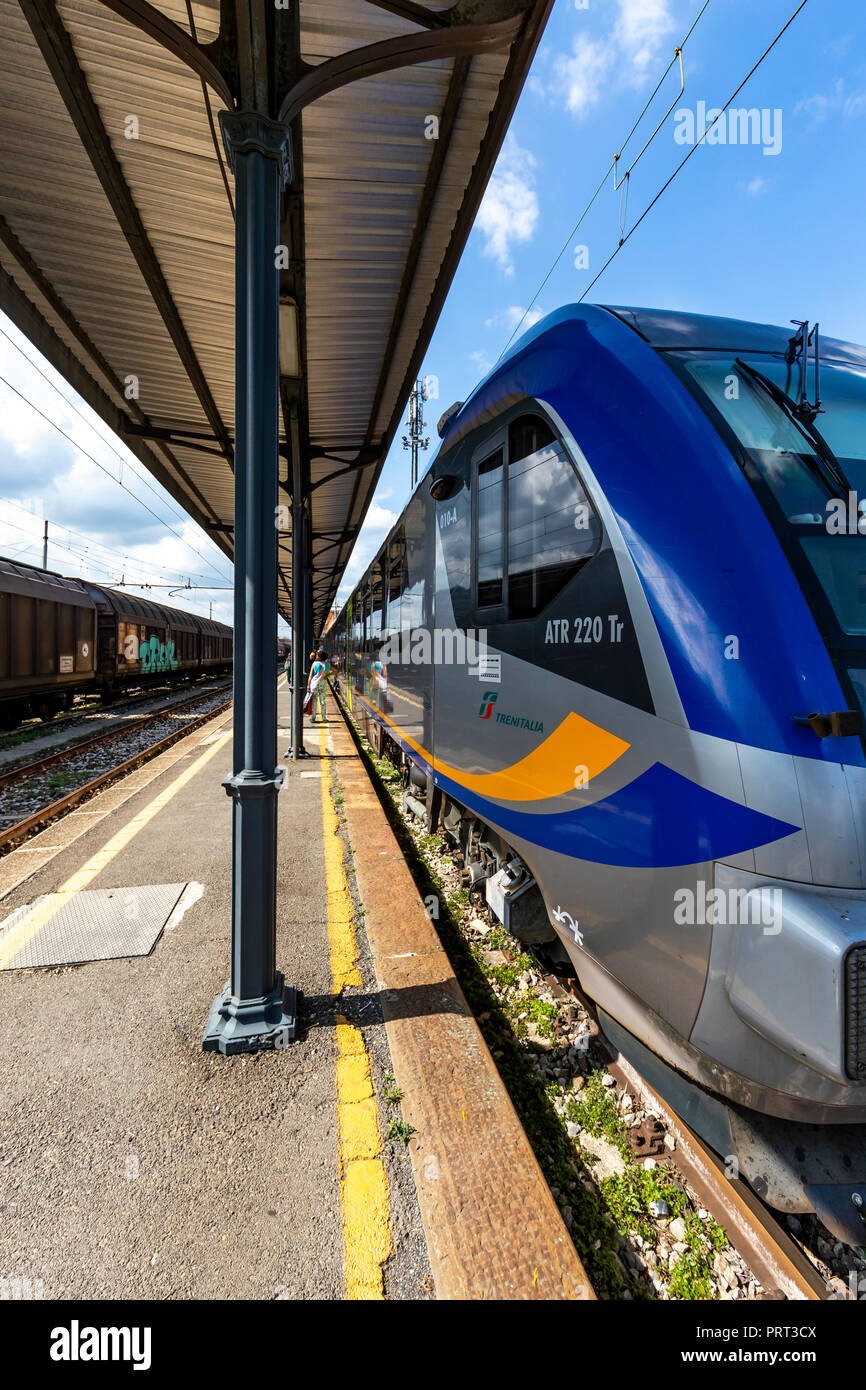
(153, 654)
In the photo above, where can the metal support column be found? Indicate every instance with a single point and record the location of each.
(255, 1009)
(299, 650)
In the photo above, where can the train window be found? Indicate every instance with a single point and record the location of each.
(527, 435)
(375, 628)
(364, 617)
(396, 579)
(552, 528)
(491, 529)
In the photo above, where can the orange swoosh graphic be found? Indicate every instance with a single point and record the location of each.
(549, 770)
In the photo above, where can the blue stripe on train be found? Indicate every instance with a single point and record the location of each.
(659, 820)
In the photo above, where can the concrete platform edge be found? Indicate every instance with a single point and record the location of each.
(492, 1226)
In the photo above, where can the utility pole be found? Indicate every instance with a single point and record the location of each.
(415, 424)
(45, 545)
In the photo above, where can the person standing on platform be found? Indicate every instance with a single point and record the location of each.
(316, 688)
(322, 658)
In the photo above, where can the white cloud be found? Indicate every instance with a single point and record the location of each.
(97, 529)
(641, 30)
(509, 318)
(627, 55)
(377, 524)
(583, 75)
(837, 102)
(509, 211)
(481, 361)
(755, 186)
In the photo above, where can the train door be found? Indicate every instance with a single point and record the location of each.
(454, 647)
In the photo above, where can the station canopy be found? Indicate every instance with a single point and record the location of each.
(117, 235)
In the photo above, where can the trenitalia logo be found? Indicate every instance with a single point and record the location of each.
(487, 703)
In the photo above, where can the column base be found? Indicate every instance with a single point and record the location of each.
(252, 1025)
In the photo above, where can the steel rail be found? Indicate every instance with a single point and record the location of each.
(23, 829)
(773, 1257)
(135, 722)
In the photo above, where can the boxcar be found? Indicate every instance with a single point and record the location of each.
(47, 641)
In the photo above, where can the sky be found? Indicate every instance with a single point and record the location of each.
(769, 230)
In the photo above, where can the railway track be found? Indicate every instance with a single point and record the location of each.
(73, 723)
(781, 1266)
(768, 1250)
(22, 829)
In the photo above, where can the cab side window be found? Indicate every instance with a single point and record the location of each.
(491, 529)
(552, 528)
(534, 526)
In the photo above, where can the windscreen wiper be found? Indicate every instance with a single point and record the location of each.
(825, 463)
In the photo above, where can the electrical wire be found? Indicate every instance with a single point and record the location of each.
(612, 166)
(162, 521)
(36, 541)
(90, 425)
(100, 545)
(106, 577)
(694, 147)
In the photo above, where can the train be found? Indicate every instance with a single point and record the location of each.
(60, 637)
(617, 641)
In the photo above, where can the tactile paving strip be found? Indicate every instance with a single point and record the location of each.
(97, 924)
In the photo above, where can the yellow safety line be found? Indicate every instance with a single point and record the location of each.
(363, 1183)
(33, 922)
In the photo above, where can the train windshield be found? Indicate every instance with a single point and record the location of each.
(810, 477)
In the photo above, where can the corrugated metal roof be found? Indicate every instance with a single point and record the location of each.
(144, 288)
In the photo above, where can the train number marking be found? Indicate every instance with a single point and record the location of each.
(447, 518)
(560, 915)
(585, 630)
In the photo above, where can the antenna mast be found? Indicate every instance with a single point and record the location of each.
(415, 424)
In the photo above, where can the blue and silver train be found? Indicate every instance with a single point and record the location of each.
(618, 637)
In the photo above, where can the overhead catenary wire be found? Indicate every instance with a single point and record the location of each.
(34, 542)
(99, 545)
(75, 443)
(677, 55)
(107, 569)
(694, 147)
(90, 425)
(105, 576)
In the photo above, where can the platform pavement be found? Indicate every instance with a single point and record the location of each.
(132, 1164)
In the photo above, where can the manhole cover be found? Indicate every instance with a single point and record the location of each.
(98, 924)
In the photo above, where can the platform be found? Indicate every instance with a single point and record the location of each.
(134, 1165)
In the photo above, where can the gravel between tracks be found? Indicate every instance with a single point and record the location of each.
(23, 798)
